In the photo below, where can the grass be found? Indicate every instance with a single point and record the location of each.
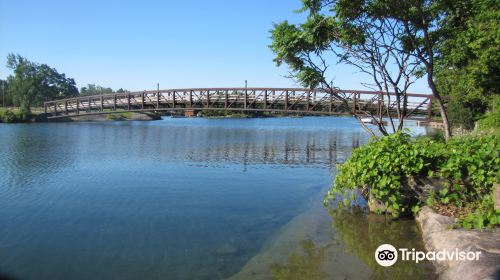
(120, 116)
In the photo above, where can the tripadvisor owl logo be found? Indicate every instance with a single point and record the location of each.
(386, 255)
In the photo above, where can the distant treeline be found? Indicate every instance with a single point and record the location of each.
(31, 84)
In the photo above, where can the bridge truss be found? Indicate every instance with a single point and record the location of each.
(273, 100)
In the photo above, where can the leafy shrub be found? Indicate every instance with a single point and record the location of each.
(461, 115)
(481, 214)
(215, 113)
(8, 116)
(381, 168)
(490, 121)
(24, 113)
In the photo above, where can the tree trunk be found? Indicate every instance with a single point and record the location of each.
(442, 109)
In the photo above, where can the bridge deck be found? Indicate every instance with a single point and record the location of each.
(279, 100)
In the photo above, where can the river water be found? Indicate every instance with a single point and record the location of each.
(187, 199)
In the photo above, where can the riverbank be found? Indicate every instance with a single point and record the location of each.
(13, 115)
(334, 243)
(448, 187)
(118, 116)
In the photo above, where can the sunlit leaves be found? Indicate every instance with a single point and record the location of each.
(470, 164)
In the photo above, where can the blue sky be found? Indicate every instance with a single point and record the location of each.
(136, 44)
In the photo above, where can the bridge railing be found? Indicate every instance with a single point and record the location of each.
(279, 100)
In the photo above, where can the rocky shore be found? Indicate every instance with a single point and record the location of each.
(438, 234)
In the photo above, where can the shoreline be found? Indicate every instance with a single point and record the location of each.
(311, 228)
(438, 235)
(320, 244)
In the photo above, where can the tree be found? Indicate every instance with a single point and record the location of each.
(93, 89)
(5, 96)
(468, 68)
(33, 83)
(364, 42)
(417, 22)
(121, 90)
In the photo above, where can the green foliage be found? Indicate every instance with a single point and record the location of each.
(461, 115)
(215, 113)
(481, 214)
(393, 41)
(490, 121)
(222, 114)
(469, 62)
(8, 116)
(5, 96)
(294, 45)
(472, 162)
(382, 168)
(12, 116)
(92, 89)
(33, 83)
(120, 116)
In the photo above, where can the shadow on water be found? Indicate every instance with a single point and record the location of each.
(362, 233)
(302, 265)
(356, 233)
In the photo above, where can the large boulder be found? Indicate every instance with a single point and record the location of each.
(438, 235)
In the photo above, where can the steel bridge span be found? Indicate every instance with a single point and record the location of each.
(273, 100)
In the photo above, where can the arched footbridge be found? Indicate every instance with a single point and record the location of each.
(272, 100)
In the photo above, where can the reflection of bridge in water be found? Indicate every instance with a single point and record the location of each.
(273, 100)
(309, 153)
(218, 146)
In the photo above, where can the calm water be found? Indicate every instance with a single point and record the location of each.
(183, 199)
